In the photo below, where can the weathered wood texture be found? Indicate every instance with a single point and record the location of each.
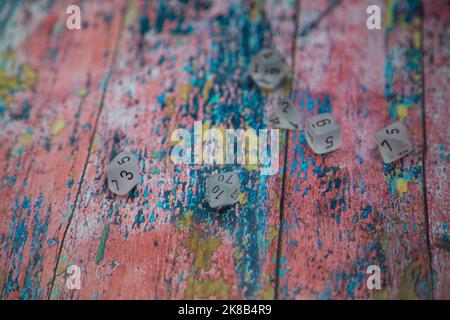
(71, 100)
(346, 210)
(175, 65)
(437, 96)
(52, 86)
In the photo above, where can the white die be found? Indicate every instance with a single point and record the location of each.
(123, 173)
(393, 142)
(284, 116)
(323, 133)
(223, 189)
(268, 68)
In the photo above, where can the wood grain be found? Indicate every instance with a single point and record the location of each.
(176, 65)
(437, 81)
(346, 210)
(72, 100)
(53, 79)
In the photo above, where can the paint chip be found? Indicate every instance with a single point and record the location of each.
(401, 186)
(57, 127)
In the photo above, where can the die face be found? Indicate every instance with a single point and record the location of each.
(396, 131)
(284, 116)
(323, 133)
(223, 189)
(321, 123)
(268, 68)
(123, 173)
(393, 142)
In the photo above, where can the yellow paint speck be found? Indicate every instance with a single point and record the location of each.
(243, 198)
(132, 13)
(206, 126)
(23, 141)
(255, 13)
(28, 76)
(170, 103)
(207, 88)
(401, 186)
(203, 248)
(402, 111)
(8, 55)
(57, 127)
(82, 92)
(185, 89)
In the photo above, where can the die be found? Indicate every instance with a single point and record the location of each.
(323, 133)
(123, 173)
(223, 189)
(284, 115)
(268, 68)
(393, 142)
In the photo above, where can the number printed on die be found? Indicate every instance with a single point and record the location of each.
(323, 133)
(393, 142)
(283, 115)
(223, 189)
(268, 68)
(123, 173)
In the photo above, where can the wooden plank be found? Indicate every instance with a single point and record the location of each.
(437, 80)
(52, 81)
(347, 210)
(178, 64)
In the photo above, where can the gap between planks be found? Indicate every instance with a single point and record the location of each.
(94, 132)
(286, 149)
(424, 150)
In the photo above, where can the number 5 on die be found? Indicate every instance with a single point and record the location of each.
(123, 173)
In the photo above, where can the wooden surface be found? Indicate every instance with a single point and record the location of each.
(71, 100)
(437, 135)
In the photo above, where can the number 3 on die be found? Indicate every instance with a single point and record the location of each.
(123, 173)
